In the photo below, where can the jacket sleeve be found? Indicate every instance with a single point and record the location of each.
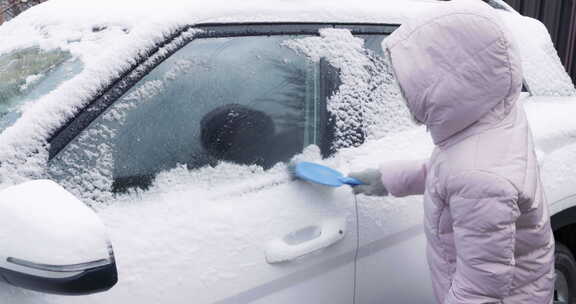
(484, 209)
(403, 178)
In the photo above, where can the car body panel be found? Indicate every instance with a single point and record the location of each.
(210, 246)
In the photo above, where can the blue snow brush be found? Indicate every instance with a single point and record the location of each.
(322, 175)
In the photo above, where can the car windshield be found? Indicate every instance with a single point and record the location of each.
(28, 74)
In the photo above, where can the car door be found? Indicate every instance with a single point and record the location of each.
(391, 265)
(187, 168)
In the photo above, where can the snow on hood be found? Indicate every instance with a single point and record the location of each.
(455, 64)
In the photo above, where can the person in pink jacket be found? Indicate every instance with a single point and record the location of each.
(486, 216)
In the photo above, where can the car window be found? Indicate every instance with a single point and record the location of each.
(373, 43)
(27, 74)
(246, 100)
(249, 100)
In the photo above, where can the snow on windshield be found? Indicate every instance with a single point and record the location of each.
(23, 147)
(29, 73)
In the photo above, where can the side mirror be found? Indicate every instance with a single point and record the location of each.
(52, 242)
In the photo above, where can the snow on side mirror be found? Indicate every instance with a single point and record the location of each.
(52, 242)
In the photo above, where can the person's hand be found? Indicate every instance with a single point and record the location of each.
(372, 180)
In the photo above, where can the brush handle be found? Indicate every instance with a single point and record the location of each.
(350, 181)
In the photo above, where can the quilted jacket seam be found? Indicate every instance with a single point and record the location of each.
(511, 245)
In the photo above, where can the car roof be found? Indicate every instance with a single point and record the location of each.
(56, 21)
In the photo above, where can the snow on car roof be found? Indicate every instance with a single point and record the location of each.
(67, 20)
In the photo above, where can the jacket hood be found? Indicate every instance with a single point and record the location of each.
(456, 64)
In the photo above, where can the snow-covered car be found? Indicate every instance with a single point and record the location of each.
(174, 121)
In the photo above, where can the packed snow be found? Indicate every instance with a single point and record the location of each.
(544, 73)
(369, 97)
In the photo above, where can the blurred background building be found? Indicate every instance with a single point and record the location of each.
(11, 8)
(559, 16)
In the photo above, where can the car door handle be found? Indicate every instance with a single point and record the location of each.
(306, 240)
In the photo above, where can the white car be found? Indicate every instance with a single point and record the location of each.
(174, 121)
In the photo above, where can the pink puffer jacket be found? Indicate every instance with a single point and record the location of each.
(486, 216)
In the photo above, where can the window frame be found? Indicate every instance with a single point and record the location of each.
(156, 55)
